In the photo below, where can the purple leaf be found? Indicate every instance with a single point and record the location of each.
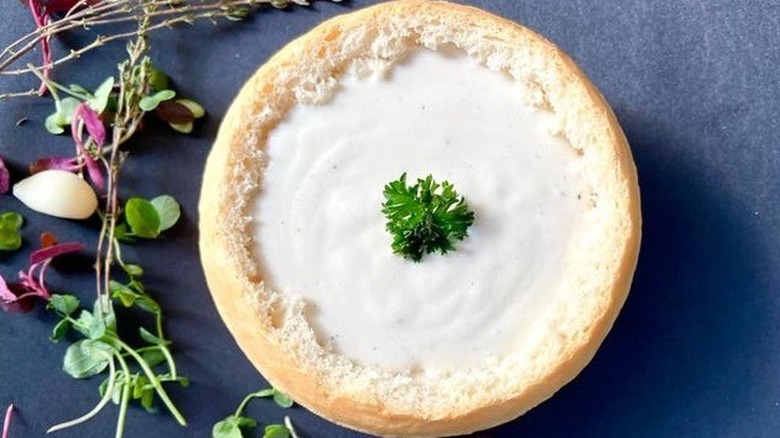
(173, 112)
(85, 113)
(5, 292)
(55, 6)
(50, 252)
(5, 178)
(92, 122)
(10, 302)
(57, 163)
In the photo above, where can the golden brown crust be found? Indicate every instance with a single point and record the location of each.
(236, 284)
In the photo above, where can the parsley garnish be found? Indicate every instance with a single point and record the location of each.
(425, 217)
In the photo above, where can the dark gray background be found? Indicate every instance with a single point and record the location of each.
(694, 352)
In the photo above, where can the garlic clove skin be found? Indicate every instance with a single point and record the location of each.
(57, 193)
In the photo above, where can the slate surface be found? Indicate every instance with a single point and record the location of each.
(693, 354)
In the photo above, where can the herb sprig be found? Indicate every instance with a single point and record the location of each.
(109, 15)
(233, 425)
(425, 217)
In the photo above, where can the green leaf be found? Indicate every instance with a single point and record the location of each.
(107, 312)
(86, 358)
(168, 211)
(97, 328)
(99, 100)
(282, 399)
(90, 326)
(139, 386)
(137, 286)
(184, 128)
(276, 431)
(147, 401)
(11, 220)
(227, 428)
(148, 304)
(64, 304)
(134, 270)
(10, 239)
(195, 108)
(269, 392)
(158, 80)
(104, 386)
(119, 385)
(183, 381)
(78, 89)
(53, 124)
(59, 330)
(63, 116)
(123, 293)
(153, 357)
(122, 234)
(149, 103)
(142, 218)
(150, 338)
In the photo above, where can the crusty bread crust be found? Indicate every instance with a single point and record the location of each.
(272, 329)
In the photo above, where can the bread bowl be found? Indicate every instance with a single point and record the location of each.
(292, 237)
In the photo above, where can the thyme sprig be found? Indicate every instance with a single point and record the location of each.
(107, 14)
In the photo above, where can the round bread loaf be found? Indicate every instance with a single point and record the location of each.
(350, 367)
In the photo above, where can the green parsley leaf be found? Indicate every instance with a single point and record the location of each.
(168, 211)
(142, 217)
(425, 217)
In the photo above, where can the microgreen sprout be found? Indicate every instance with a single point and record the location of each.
(232, 425)
(147, 219)
(21, 295)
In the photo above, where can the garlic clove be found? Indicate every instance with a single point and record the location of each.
(57, 193)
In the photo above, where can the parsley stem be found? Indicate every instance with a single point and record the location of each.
(98, 407)
(155, 381)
